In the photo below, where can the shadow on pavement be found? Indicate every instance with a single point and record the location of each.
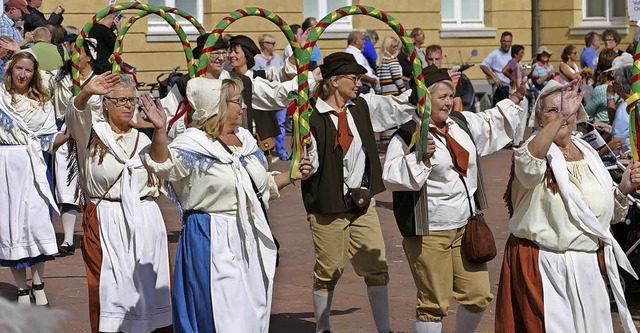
(8, 291)
(384, 204)
(299, 322)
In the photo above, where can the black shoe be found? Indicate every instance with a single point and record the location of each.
(23, 293)
(66, 249)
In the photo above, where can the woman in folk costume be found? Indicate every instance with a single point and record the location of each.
(345, 157)
(125, 241)
(65, 189)
(27, 129)
(268, 93)
(562, 201)
(449, 172)
(264, 92)
(226, 258)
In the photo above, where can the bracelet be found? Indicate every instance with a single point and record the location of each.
(620, 193)
(610, 98)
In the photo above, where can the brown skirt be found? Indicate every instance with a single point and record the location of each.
(92, 255)
(519, 306)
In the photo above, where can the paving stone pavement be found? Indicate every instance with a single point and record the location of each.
(292, 310)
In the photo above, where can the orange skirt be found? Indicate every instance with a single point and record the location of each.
(519, 305)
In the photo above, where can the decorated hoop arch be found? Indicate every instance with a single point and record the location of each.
(304, 56)
(299, 107)
(75, 57)
(216, 33)
(117, 51)
(632, 107)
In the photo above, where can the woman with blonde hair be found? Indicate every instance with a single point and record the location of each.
(389, 74)
(27, 129)
(389, 71)
(226, 258)
(267, 57)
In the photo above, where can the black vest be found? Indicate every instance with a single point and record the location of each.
(266, 121)
(405, 201)
(323, 191)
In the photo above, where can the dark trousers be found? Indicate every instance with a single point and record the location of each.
(500, 94)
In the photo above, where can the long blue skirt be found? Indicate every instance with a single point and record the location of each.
(191, 294)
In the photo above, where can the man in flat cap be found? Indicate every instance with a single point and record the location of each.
(346, 173)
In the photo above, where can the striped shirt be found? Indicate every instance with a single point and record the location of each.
(390, 75)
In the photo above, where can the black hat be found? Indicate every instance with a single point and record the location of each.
(433, 74)
(220, 44)
(340, 63)
(247, 42)
(71, 38)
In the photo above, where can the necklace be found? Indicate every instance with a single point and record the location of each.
(567, 153)
(567, 157)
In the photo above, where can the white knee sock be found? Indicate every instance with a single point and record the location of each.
(321, 308)
(428, 326)
(37, 272)
(467, 321)
(20, 275)
(379, 301)
(68, 217)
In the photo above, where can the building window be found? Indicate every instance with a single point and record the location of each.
(320, 8)
(603, 11)
(462, 13)
(159, 30)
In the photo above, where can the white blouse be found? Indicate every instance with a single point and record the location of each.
(385, 112)
(447, 198)
(201, 183)
(39, 119)
(98, 177)
(540, 215)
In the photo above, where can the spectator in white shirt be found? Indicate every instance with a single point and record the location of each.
(355, 44)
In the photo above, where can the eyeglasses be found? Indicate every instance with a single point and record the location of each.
(122, 101)
(239, 101)
(219, 54)
(355, 78)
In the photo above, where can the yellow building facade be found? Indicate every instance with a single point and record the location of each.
(459, 26)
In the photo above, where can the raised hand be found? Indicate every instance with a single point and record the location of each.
(317, 74)
(521, 83)
(9, 44)
(154, 111)
(102, 84)
(302, 38)
(571, 98)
